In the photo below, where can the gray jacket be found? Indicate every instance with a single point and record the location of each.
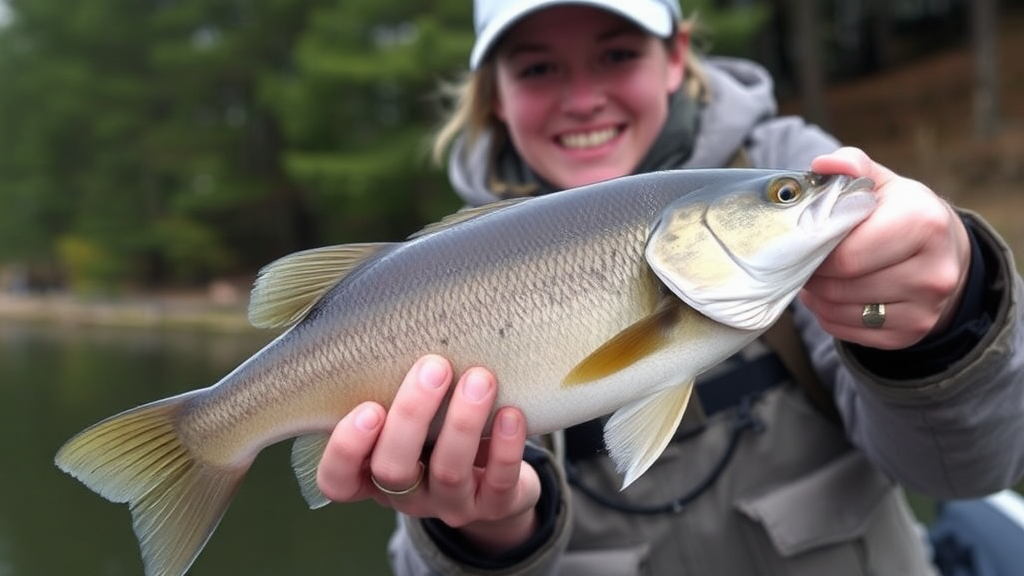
(801, 494)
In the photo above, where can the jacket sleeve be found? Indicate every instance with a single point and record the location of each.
(424, 547)
(953, 433)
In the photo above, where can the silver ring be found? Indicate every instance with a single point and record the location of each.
(873, 315)
(407, 491)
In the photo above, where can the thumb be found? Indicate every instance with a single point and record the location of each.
(854, 162)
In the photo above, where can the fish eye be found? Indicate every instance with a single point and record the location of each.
(784, 191)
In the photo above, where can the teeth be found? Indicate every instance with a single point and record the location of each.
(588, 139)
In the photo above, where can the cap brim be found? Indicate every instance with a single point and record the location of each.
(655, 17)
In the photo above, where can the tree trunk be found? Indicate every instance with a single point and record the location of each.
(985, 36)
(805, 23)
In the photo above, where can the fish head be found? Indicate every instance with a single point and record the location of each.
(739, 250)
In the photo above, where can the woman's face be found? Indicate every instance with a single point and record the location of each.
(583, 92)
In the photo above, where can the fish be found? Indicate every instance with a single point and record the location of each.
(610, 298)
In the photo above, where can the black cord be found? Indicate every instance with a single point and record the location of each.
(745, 420)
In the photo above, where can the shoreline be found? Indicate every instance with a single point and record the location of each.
(188, 312)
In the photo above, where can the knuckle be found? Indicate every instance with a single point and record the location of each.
(847, 264)
(413, 409)
(507, 458)
(457, 519)
(502, 491)
(463, 424)
(392, 473)
(944, 280)
(448, 477)
(334, 492)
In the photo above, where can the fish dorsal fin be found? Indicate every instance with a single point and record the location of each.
(629, 346)
(638, 433)
(287, 288)
(306, 454)
(464, 215)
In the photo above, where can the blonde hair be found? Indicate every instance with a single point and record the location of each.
(471, 97)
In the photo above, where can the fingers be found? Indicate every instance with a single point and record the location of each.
(854, 162)
(911, 254)
(502, 490)
(905, 322)
(481, 485)
(395, 461)
(452, 476)
(342, 471)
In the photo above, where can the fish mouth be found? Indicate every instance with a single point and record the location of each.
(844, 202)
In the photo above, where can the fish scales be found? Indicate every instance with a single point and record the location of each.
(581, 303)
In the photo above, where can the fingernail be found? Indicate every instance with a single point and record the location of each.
(476, 386)
(433, 373)
(367, 419)
(508, 424)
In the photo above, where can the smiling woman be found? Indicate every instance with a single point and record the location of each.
(565, 93)
(584, 103)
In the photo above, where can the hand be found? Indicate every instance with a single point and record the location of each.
(481, 487)
(912, 254)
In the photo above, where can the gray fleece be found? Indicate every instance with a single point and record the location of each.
(955, 434)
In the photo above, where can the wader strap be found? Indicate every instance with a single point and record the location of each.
(745, 420)
(782, 338)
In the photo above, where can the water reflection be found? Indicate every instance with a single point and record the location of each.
(55, 381)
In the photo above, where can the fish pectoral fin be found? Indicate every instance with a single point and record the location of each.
(287, 288)
(464, 215)
(306, 454)
(628, 347)
(638, 433)
(176, 501)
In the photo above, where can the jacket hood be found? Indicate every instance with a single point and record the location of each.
(741, 97)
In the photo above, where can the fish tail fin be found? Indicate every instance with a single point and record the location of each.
(138, 457)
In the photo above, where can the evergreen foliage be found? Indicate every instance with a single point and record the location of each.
(170, 142)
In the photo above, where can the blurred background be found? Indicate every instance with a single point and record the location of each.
(153, 155)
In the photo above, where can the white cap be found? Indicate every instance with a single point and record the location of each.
(492, 18)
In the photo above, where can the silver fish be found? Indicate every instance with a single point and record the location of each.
(581, 302)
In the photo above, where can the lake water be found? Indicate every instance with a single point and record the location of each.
(56, 380)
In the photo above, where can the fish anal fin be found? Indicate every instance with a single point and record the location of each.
(288, 287)
(306, 454)
(176, 501)
(628, 347)
(638, 433)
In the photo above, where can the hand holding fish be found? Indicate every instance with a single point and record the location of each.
(482, 487)
(570, 316)
(912, 254)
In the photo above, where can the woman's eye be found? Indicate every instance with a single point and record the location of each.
(619, 55)
(535, 70)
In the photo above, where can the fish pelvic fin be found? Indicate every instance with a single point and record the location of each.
(287, 288)
(628, 347)
(176, 501)
(306, 454)
(638, 433)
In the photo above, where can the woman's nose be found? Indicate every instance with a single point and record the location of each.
(582, 94)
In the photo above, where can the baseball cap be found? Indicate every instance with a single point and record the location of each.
(492, 18)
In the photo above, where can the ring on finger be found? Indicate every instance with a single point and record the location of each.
(873, 315)
(406, 491)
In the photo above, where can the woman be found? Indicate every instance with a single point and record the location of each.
(925, 391)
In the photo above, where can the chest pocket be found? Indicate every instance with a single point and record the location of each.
(856, 524)
(605, 562)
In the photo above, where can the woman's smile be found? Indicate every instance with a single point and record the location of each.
(588, 139)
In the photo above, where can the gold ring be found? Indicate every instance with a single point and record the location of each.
(407, 491)
(873, 315)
